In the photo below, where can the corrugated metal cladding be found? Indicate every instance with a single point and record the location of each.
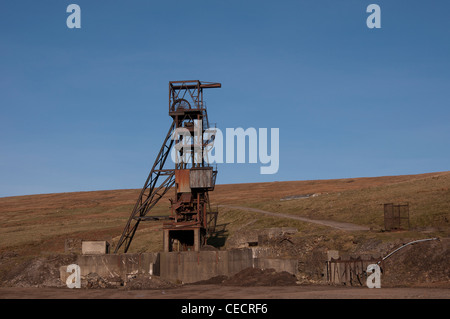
(182, 180)
(201, 178)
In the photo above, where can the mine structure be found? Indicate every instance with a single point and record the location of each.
(191, 220)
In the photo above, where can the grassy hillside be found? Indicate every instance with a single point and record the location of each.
(35, 224)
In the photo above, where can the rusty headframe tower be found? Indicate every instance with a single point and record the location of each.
(191, 219)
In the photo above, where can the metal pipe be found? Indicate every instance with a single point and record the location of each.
(403, 246)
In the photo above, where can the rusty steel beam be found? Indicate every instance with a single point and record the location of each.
(150, 193)
(194, 85)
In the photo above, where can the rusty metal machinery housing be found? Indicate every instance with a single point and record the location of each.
(191, 220)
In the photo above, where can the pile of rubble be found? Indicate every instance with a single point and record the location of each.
(45, 271)
(135, 282)
(140, 282)
(250, 277)
(41, 271)
(94, 281)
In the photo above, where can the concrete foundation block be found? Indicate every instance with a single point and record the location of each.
(99, 247)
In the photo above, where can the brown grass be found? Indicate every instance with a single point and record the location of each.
(37, 223)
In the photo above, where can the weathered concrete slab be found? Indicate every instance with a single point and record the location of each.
(289, 265)
(63, 274)
(189, 267)
(120, 265)
(95, 247)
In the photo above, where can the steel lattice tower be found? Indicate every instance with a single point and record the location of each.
(191, 219)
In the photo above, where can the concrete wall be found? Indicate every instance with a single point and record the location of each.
(188, 267)
(266, 257)
(184, 267)
(289, 265)
(112, 265)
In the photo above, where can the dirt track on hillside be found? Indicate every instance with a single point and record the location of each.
(229, 292)
(330, 223)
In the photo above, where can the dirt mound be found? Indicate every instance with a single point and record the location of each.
(141, 282)
(42, 271)
(249, 277)
(423, 264)
(217, 280)
(261, 277)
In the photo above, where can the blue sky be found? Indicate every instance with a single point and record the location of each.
(86, 109)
